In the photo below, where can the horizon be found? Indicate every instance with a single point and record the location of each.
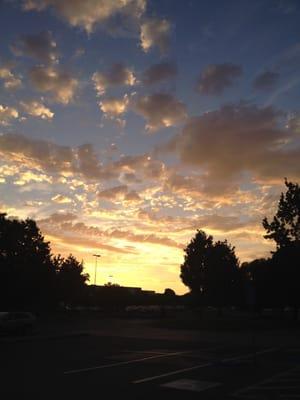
(127, 126)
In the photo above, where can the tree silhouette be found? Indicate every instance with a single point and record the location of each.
(27, 275)
(222, 275)
(284, 229)
(30, 277)
(261, 284)
(70, 279)
(210, 270)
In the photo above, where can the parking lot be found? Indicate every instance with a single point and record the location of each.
(95, 363)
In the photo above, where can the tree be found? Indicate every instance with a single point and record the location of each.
(210, 270)
(284, 229)
(27, 275)
(196, 259)
(222, 275)
(71, 280)
(260, 283)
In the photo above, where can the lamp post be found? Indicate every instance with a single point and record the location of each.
(96, 258)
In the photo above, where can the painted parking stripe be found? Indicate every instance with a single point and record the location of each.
(76, 371)
(278, 382)
(208, 364)
(191, 385)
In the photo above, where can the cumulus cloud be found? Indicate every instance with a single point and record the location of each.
(155, 32)
(160, 110)
(118, 75)
(7, 114)
(61, 84)
(113, 107)
(37, 109)
(10, 80)
(266, 80)
(88, 13)
(215, 78)
(159, 72)
(236, 140)
(41, 46)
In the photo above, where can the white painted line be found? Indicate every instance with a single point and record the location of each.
(242, 393)
(208, 364)
(226, 360)
(191, 385)
(75, 371)
(178, 371)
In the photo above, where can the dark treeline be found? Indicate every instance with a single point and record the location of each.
(215, 277)
(32, 278)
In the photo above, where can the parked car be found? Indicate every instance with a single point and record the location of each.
(16, 322)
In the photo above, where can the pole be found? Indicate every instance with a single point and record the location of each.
(96, 257)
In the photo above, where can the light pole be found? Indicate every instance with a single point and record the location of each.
(96, 258)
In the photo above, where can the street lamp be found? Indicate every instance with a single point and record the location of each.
(96, 257)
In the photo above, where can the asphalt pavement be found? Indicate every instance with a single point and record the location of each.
(93, 364)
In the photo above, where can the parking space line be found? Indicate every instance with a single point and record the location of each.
(76, 371)
(208, 364)
(272, 383)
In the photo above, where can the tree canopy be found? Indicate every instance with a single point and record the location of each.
(210, 270)
(30, 276)
(285, 226)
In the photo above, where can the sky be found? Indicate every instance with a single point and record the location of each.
(126, 125)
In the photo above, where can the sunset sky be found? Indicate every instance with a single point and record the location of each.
(126, 125)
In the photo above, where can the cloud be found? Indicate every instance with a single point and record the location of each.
(114, 193)
(160, 110)
(159, 72)
(53, 158)
(68, 228)
(37, 109)
(132, 196)
(41, 46)
(61, 199)
(57, 218)
(61, 84)
(237, 141)
(7, 114)
(10, 80)
(266, 80)
(88, 13)
(217, 77)
(118, 75)
(113, 107)
(155, 32)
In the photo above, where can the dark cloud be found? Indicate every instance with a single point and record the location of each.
(266, 80)
(118, 75)
(41, 46)
(217, 77)
(159, 72)
(119, 193)
(236, 140)
(114, 193)
(60, 83)
(160, 110)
